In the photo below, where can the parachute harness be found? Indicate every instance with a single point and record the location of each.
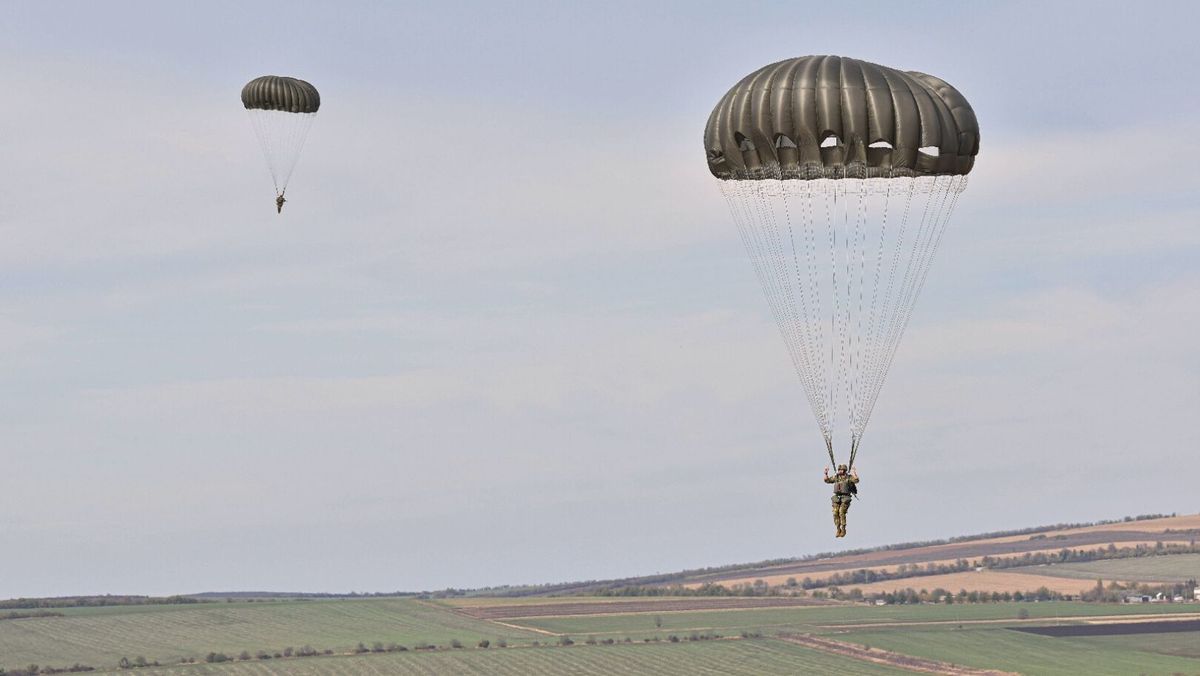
(842, 360)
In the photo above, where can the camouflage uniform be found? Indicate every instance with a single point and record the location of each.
(841, 498)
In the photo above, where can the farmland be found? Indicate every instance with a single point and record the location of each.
(784, 630)
(736, 658)
(1175, 568)
(167, 633)
(816, 639)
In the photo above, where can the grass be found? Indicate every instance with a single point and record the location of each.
(999, 648)
(1184, 644)
(101, 636)
(1167, 568)
(807, 619)
(736, 658)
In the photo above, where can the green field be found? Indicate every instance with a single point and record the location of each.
(101, 636)
(711, 658)
(957, 633)
(809, 619)
(999, 648)
(1172, 568)
(1186, 644)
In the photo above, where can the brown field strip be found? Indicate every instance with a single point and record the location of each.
(887, 657)
(998, 547)
(1185, 522)
(983, 581)
(782, 579)
(512, 612)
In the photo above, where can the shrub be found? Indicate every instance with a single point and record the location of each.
(565, 640)
(455, 643)
(501, 643)
(483, 643)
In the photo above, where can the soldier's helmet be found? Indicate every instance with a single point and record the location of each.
(842, 468)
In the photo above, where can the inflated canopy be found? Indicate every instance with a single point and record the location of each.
(832, 117)
(286, 94)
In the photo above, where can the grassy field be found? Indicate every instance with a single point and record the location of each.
(101, 636)
(736, 658)
(809, 619)
(1173, 568)
(999, 648)
(1185, 644)
(956, 633)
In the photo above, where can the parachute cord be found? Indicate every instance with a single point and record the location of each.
(816, 326)
(956, 185)
(853, 451)
(831, 202)
(872, 339)
(829, 447)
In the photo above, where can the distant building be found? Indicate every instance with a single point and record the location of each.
(1137, 598)
(1196, 593)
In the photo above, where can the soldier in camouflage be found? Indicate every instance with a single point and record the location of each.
(843, 491)
(279, 200)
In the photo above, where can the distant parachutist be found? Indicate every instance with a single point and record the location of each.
(844, 490)
(279, 200)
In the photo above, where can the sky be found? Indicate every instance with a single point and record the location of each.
(504, 331)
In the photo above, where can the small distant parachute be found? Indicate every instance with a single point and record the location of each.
(841, 176)
(281, 110)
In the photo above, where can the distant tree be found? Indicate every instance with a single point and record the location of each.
(125, 663)
(501, 643)
(244, 655)
(565, 640)
(791, 582)
(288, 651)
(455, 643)
(658, 621)
(483, 643)
(139, 661)
(377, 647)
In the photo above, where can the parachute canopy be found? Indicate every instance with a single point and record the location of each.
(286, 94)
(841, 176)
(281, 110)
(831, 117)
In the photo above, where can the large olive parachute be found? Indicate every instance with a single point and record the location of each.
(281, 110)
(841, 176)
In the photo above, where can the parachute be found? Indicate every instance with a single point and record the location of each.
(281, 110)
(841, 176)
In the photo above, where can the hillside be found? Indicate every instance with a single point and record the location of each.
(992, 611)
(1066, 559)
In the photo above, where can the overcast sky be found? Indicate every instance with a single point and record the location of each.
(505, 332)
